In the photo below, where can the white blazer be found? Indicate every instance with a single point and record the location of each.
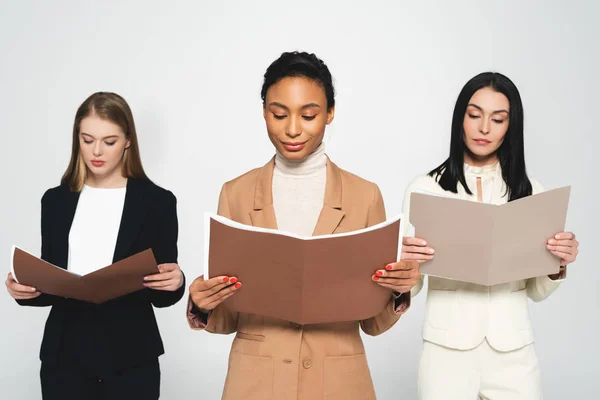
(461, 315)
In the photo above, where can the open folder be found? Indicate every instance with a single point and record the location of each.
(490, 244)
(121, 278)
(306, 280)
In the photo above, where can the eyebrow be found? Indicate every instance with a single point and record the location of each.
(104, 138)
(309, 105)
(481, 109)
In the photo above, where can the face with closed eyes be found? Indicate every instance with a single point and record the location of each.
(485, 124)
(102, 143)
(296, 115)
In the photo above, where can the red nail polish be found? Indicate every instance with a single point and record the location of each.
(225, 279)
(388, 267)
(379, 273)
(238, 285)
(375, 278)
(233, 280)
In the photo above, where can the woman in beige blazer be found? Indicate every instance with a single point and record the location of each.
(300, 190)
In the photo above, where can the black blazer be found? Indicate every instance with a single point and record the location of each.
(121, 332)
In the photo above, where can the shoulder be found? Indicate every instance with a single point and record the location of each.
(51, 195)
(358, 187)
(244, 181)
(423, 182)
(536, 186)
(350, 179)
(152, 192)
(240, 192)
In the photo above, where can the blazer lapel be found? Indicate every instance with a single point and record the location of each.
(66, 214)
(332, 213)
(263, 214)
(133, 214)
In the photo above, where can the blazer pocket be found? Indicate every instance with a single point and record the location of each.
(439, 308)
(249, 378)
(347, 378)
(250, 336)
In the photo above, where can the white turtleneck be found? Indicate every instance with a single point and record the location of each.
(299, 191)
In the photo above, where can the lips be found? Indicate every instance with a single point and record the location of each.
(482, 141)
(294, 146)
(98, 163)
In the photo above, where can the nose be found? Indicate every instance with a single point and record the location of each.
(484, 127)
(293, 129)
(98, 148)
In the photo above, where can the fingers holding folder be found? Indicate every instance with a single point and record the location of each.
(208, 294)
(416, 249)
(565, 246)
(400, 276)
(169, 278)
(18, 291)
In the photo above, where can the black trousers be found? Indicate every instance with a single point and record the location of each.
(73, 382)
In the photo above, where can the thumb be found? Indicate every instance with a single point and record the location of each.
(167, 267)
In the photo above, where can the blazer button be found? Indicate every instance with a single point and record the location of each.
(307, 363)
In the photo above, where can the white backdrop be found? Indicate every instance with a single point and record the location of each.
(192, 73)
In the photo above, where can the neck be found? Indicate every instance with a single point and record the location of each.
(480, 161)
(312, 163)
(112, 181)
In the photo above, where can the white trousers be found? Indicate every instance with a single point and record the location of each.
(449, 374)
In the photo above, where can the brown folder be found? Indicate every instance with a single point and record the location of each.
(490, 244)
(121, 278)
(305, 280)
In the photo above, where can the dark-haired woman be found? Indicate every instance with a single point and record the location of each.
(302, 191)
(106, 209)
(478, 340)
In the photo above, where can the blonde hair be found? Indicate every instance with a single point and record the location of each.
(114, 108)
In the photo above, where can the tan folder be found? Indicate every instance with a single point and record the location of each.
(305, 280)
(121, 278)
(490, 244)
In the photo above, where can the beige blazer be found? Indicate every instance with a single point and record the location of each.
(280, 360)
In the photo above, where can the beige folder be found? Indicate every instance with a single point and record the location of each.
(305, 280)
(490, 244)
(121, 278)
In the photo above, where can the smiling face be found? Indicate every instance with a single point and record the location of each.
(485, 125)
(103, 144)
(296, 114)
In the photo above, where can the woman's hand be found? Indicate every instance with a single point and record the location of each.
(565, 246)
(169, 279)
(400, 276)
(416, 249)
(18, 291)
(208, 294)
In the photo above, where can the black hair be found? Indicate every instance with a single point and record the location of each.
(299, 64)
(511, 154)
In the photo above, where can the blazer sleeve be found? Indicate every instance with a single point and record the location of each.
(541, 287)
(48, 209)
(398, 304)
(165, 249)
(221, 319)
